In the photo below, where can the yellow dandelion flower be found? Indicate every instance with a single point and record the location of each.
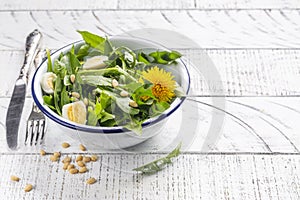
(163, 83)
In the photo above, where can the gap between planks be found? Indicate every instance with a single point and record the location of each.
(161, 153)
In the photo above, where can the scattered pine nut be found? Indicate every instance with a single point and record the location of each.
(28, 188)
(57, 154)
(83, 170)
(82, 148)
(91, 181)
(123, 93)
(66, 164)
(73, 171)
(86, 159)
(94, 158)
(79, 158)
(70, 166)
(42, 152)
(72, 78)
(114, 83)
(80, 164)
(54, 158)
(14, 178)
(133, 104)
(76, 95)
(65, 145)
(67, 159)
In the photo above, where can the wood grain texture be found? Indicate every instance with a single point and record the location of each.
(248, 124)
(251, 72)
(190, 177)
(207, 29)
(254, 46)
(259, 121)
(147, 4)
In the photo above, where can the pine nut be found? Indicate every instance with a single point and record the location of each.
(86, 159)
(83, 170)
(79, 158)
(70, 166)
(54, 158)
(76, 95)
(14, 178)
(28, 188)
(73, 171)
(133, 104)
(123, 93)
(57, 154)
(67, 159)
(66, 164)
(65, 145)
(91, 181)
(82, 148)
(94, 158)
(80, 164)
(114, 83)
(42, 152)
(72, 78)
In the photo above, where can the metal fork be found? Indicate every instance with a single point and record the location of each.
(35, 130)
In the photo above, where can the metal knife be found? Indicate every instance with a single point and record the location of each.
(16, 104)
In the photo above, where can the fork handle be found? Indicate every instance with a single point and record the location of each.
(33, 41)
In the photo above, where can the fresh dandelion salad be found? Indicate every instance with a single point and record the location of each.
(97, 84)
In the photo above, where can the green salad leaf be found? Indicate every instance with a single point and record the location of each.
(92, 119)
(94, 41)
(64, 97)
(49, 101)
(49, 63)
(165, 57)
(57, 90)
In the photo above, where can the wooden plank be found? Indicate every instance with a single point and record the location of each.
(190, 177)
(206, 29)
(57, 5)
(241, 72)
(246, 124)
(143, 4)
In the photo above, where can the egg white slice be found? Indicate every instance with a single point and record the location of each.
(47, 82)
(75, 112)
(96, 62)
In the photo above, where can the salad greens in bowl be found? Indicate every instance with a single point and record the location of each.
(111, 92)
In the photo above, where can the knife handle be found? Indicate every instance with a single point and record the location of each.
(33, 41)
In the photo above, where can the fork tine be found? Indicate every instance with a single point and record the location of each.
(37, 132)
(34, 130)
(26, 135)
(28, 130)
(31, 133)
(43, 130)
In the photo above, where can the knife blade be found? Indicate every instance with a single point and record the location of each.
(16, 104)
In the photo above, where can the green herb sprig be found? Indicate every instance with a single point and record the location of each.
(160, 163)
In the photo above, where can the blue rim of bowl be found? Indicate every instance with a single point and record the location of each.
(97, 129)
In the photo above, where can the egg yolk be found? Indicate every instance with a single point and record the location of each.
(50, 82)
(70, 113)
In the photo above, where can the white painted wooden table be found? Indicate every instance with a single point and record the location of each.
(255, 153)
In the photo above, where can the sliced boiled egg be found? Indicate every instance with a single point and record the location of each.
(47, 82)
(75, 112)
(96, 62)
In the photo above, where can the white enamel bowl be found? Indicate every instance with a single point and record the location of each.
(112, 137)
